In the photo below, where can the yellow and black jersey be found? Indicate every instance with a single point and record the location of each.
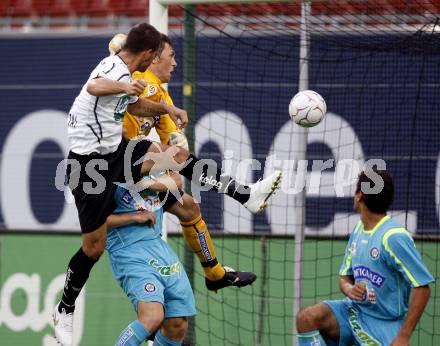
(154, 91)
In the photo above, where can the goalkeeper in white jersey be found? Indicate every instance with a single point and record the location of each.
(380, 271)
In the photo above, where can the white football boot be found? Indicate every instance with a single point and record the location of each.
(261, 192)
(63, 326)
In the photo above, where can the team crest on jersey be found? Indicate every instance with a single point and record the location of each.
(374, 253)
(151, 90)
(149, 287)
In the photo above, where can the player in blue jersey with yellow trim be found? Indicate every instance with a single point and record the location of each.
(380, 270)
(146, 267)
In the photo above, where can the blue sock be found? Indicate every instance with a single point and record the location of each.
(161, 340)
(311, 338)
(134, 335)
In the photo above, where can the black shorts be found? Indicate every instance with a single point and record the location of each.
(94, 190)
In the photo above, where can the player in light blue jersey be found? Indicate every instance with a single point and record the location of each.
(380, 270)
(146, 267)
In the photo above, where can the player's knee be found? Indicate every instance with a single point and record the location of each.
(305, 320)
(175, 328)
(151, 322)
(181, 156)
(94, 248)
(191, 209)
(151, 316)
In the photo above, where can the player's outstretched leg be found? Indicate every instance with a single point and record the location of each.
(316, 324)
(205, 173)
(77, 274)
(232, 277)
(197, 236)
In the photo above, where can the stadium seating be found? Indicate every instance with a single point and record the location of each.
(92, 12)
(60, 8)
(21, 8)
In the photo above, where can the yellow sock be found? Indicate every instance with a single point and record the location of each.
(199, 240)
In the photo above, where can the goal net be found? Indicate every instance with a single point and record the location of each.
(376, 64)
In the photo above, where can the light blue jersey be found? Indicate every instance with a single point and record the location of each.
(120, 237)
(145, 266)
(387, 261)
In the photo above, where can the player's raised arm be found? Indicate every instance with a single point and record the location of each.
(106, 86)
(141, 216)
(146, 108)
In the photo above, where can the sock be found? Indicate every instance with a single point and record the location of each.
(161, 340)
(311, 338)
(201, 173)
(199, 240)
(134, 335)
(78, 271)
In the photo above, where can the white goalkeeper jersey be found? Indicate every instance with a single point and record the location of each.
(95, 122)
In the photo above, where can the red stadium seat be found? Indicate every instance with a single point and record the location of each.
(339, 8)
(21, 8)
(137, 8)
(41, 7)
(118, 7)
(80, 7)
(175, 11)
(60, 8)
(99, 8)
(407, 6)
(5, 8)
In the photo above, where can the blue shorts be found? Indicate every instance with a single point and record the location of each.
(150, 271)
(357, 328)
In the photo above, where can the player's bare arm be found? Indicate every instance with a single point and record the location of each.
(170, 181)
(104, 86)
(419, 299)
(142, 216)
(350, 289)
(147, 108)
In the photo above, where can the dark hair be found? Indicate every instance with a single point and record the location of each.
(143, 37)
(376, 202)
(165, 39)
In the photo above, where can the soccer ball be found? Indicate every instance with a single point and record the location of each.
(307, 108)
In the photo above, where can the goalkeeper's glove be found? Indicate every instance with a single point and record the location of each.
(179, 139)
(116, 43)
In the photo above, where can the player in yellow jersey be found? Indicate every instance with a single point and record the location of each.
(194, 227)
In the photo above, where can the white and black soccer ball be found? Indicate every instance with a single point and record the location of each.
(307, 108)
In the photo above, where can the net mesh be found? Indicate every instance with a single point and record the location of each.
(375, 64)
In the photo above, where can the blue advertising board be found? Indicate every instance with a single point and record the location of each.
(381, 99)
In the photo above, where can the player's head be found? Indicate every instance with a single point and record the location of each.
(164, 64)
(144, 41)
(374, 190)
